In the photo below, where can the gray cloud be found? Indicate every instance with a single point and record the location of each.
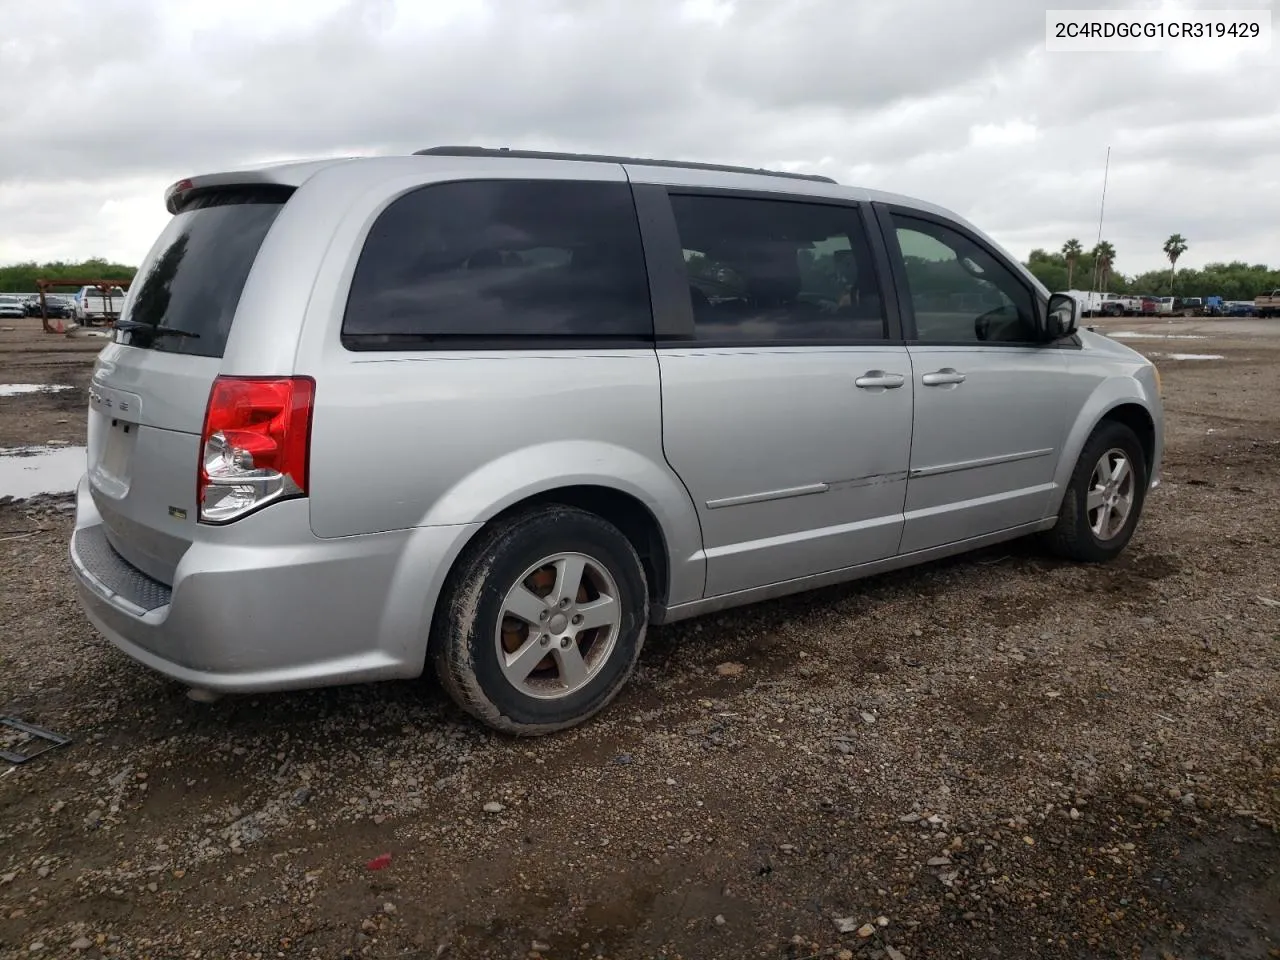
(956, 103)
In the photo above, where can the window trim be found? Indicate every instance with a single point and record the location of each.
(481, 343)
(675, 328)
(885, 213)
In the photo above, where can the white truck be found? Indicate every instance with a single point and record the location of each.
(96, 303)
(1094, 303)
(1267, 304)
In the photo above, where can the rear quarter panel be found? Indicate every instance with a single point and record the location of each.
(409, 439)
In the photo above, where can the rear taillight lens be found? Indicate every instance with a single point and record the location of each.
(255, 445)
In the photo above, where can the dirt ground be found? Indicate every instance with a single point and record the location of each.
(1000, 755)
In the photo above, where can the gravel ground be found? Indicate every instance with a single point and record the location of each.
(1000, 755)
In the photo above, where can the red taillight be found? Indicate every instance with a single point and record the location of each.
(255, 444)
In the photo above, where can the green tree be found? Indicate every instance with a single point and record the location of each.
(1236, 280)
(22, 277)
(1071, 251)
(1104, 256)
(1174, 247)
(1231, 281)
(1049, 268)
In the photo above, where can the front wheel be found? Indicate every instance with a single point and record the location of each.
(1104, 498)
(542, 621)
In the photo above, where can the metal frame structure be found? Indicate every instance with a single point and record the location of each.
(103, 285)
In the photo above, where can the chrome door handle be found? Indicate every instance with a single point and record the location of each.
(878, 378)
(942, 377)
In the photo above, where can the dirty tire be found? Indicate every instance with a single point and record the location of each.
(1072, 537)
(463, 644)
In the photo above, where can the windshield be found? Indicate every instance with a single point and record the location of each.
(193, 277)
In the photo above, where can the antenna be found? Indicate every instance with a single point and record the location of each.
(1102, 209)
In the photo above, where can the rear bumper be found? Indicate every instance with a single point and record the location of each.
(271, 607)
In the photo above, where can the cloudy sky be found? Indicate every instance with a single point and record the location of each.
(106, 102)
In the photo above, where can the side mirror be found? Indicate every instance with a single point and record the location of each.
(1063, 316)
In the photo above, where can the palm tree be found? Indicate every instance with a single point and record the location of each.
(1071, 251)
(1174, 247)
(1104, 255)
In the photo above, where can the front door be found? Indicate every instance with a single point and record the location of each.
(789, 416)
(989, 419)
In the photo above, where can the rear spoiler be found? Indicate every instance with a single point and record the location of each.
(291, 175)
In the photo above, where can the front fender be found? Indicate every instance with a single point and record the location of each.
(542, 468)
(1139, 390)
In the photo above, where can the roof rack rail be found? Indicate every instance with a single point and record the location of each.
(463, 151)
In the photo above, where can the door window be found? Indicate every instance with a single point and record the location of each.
(764, 271)
(959, 292)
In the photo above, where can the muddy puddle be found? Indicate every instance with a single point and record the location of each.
(19, 389)
(1132, 335)
(31, 471)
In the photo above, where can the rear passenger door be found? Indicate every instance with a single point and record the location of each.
(786, 390)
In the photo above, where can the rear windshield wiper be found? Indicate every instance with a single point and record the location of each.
(161, 329)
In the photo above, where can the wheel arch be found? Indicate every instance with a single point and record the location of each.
(642, 497)
(628, 513)
(1138, 419)
(1120, 400)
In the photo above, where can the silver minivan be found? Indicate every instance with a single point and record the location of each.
(496, 412)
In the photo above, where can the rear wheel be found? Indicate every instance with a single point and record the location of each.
(542, 621)
(1104, 498)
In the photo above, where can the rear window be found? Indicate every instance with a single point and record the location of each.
(494, 262)
(187, 291)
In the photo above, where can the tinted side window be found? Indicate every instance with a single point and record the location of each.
(959, 292)
(503, 258)
(765, 270)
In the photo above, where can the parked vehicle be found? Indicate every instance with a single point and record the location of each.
(1188, 306)
(1096, 303)
(1213, 307)
(670, 389)
(1142, 304)
(93, 303)
(1090, 301)
(1267, 304)
(1241, 308)
(1165, 305)
(56, 307)
(1116, 305)
(11, 307)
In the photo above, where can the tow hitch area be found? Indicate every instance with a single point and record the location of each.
(15, 734)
